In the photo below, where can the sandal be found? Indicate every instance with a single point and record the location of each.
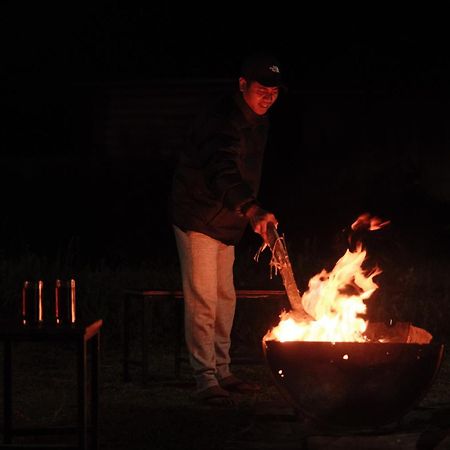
(215, 396)
(234, 384)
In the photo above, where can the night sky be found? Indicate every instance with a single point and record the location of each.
(58, 42)
(365, 124)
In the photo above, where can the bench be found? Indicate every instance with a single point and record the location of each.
(140, 300)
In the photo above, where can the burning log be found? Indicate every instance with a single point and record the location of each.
(280, 259)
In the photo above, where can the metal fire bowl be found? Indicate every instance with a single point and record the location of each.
(353, 385)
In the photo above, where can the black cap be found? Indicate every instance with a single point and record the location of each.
(263, 68)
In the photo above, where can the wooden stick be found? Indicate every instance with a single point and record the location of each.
(283, 264)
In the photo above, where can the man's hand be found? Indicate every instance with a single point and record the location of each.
(259, 218)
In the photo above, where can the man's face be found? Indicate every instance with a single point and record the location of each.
(258, 97)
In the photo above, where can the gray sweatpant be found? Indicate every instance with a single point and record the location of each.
(210, 301)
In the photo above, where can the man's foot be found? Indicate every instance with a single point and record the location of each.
(235, 384)
(215, 396)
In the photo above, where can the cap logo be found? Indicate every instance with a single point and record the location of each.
(274, 69)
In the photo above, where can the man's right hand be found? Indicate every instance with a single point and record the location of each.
(259, 218)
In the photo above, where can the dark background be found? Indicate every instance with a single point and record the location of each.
(96, 101)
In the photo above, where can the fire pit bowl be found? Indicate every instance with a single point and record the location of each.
(352, 384)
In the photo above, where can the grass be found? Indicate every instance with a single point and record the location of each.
(163, 414)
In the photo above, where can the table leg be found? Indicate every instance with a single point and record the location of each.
(7, 392)
(145, 339)
(179, 316)
(95, 351)
(82, 393)
(126, 339)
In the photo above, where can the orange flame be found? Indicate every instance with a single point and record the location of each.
(370, 222)
(335, 300)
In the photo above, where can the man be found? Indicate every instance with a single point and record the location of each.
(214, 198)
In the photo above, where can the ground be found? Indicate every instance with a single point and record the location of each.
(163, 414)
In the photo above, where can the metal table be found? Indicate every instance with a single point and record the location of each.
(86, 338)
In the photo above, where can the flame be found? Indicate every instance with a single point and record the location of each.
(370, 222)
(336, 301)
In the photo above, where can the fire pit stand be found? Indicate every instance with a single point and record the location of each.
(354, 385)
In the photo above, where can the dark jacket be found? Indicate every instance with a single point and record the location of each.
(218, 173)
